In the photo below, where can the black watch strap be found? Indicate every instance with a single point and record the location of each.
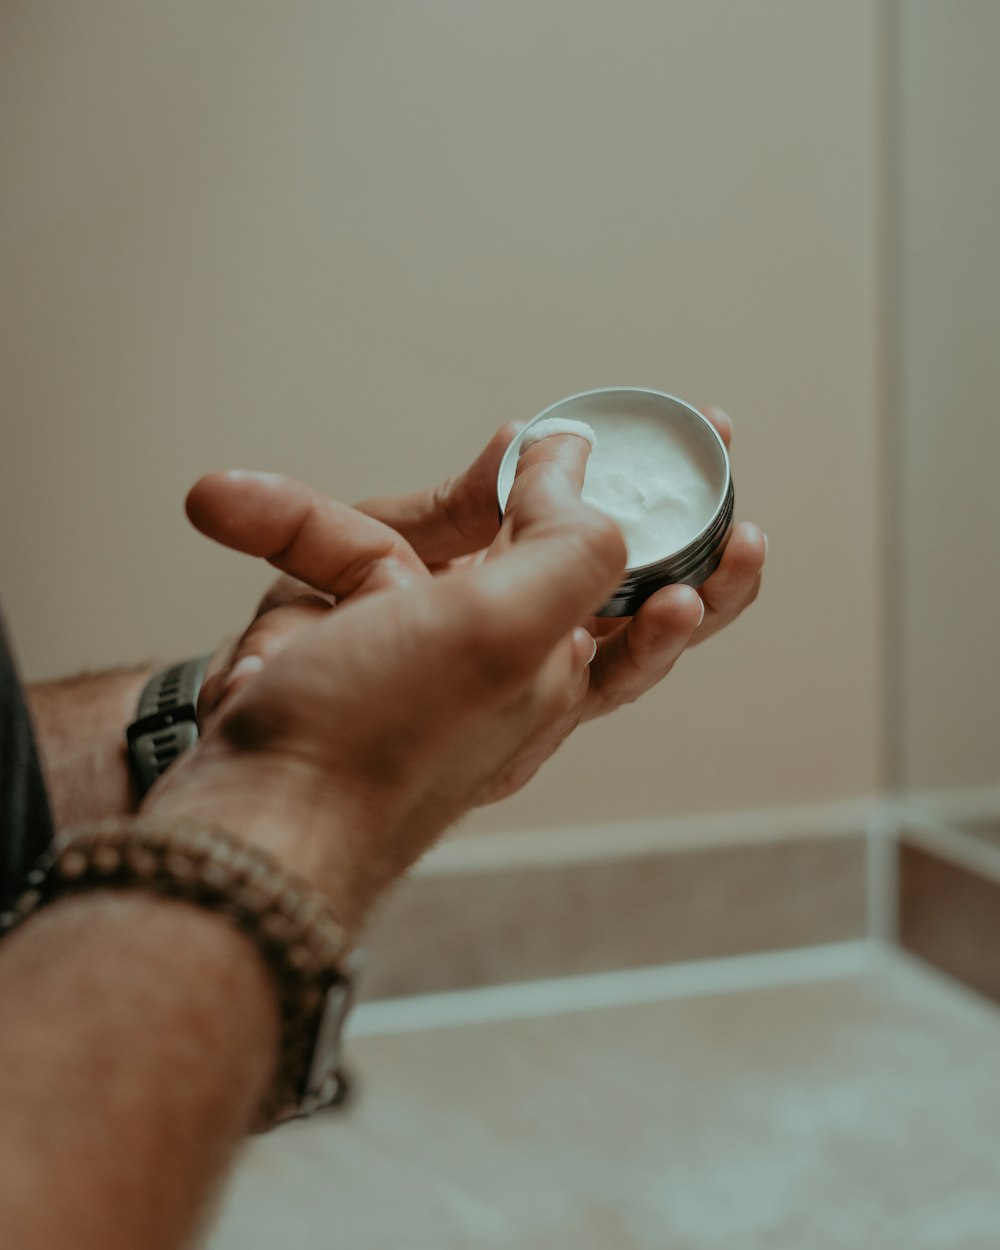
(166, 721)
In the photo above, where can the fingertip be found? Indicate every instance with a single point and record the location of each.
(201, 498)
(221, 487)
(558, 457)
(491, 455)
(245, 667)
(209, 695)
(751, 541)
(508, 432)
(584, 647)
(253, 475)
(674, 609)
(690, 605)
(722, 421)
(663, 628)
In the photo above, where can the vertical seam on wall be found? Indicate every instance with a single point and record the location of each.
(881, 873)
(892, 443)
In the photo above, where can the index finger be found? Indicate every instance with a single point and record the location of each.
(328, 545)
(549, 478)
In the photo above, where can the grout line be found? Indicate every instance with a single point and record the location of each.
(630, 987)
(947, 990)
(882, 874)
(892, 444)
(970, 803)
(584, 844)
(526, 848)
(953, 845)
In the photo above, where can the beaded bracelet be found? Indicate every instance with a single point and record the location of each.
(289, 922)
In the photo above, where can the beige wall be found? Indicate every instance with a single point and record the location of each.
(949, 317)
(346, 240)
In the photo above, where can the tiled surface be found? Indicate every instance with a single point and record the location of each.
(987, 829)
(949, 915)
(481, 928)
(853, 1115)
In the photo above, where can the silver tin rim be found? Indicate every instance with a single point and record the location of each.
(691, 564)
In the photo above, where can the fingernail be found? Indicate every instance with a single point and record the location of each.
(701, 616)
(243, 668)
(583, 637)
(721, 414)
(765, 545)
(559, 425)
(251, 475)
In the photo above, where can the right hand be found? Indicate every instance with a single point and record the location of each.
(382, 722)
(451, 524)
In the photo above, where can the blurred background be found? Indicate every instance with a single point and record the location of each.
(346, 241)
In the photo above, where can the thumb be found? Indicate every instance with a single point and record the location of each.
(557, 559)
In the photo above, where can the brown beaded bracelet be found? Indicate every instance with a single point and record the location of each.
(289, 922)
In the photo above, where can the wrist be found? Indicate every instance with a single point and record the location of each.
(272, 804)
(151, 925)
(300, 940)
(79, 723)
(144, 1038)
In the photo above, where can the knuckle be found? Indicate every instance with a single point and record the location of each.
(445, 504)
(557, 689)
(498, 655)
(399, 565)
(563, 702)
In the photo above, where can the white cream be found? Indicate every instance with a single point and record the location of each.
(557, 425)
(656, 482)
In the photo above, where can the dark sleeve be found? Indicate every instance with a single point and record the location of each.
(25, 819)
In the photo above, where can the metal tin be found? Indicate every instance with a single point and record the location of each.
(693, 563)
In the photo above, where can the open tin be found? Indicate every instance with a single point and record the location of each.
(691, 564)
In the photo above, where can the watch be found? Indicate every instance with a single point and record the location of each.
(166, 721)
(166, 725)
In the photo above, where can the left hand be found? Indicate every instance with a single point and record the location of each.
(455, 521)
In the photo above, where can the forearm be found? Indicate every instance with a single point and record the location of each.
(139, 1037)
(80, 729)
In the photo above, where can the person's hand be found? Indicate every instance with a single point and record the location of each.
(630, 656)
(635, 654)
(459, 516)
(455, 521)
(305, 533)
(381, 722)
